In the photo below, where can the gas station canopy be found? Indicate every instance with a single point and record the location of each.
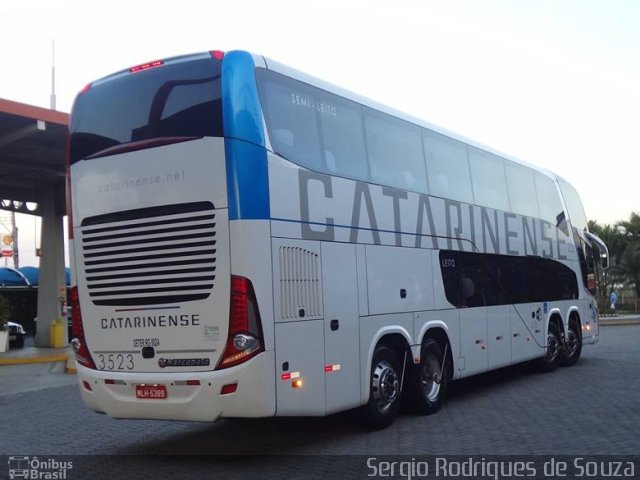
(32, 154)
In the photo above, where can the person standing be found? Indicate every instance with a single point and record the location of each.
(613, 298)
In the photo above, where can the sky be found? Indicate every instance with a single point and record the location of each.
(553, 82)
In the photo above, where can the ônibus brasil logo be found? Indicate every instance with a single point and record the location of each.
(37, 469)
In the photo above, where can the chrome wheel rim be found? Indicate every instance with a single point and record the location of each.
(572, 343)
(385, 386)
(553, 347)
(430, 378)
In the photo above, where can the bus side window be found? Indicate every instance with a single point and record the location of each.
(395, 152)
(284, 137)
(447, 167)
(330, 161)
(488, 180)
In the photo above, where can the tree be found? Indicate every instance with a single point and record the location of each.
(610, 235)
(630, 256)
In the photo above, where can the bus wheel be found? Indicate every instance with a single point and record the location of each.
(428, 382)
(572, 346)
(553, 352)
(384, 390)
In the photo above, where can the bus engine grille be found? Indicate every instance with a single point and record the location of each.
(150, 256)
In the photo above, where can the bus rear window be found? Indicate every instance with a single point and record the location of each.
(181, 98)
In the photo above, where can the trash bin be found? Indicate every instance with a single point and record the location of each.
(56, 334)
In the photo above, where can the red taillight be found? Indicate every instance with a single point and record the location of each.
(146, 66)
(244, 340)
(230, 388)
(217, 54)
(79, 344)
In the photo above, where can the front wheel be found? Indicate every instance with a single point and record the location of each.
(427, 384)
(572, 346)
(384, 389)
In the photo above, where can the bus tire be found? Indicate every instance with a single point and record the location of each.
(572, 347)
(427, 383)
(552, 354)
(384, 389)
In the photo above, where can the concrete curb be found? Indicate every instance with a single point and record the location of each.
(27, 360)
(69, 361)
(618, 323)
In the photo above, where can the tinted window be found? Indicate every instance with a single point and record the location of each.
(290, 108)
(467, 280)
(574, 205)
(549, 201)
(522, 189)
(552, 280)
(179, 99)
(343, 137)
(313, 128)
(447, 167)
(395, 152)
(488, 179)
(477, 279)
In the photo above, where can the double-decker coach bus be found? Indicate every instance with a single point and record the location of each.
(248, 241)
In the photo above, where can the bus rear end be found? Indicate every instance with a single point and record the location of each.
(162, 329)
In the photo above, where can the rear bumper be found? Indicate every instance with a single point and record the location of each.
(254, 396)
(594, 338)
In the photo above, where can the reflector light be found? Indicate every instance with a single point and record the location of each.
(193, 382)
(110, 381)
(290, 375)
(332, 368)
(146, 66)
(230, 388)
(86, 386)
(217, 54)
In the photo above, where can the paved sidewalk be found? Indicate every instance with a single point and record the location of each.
(39, 355)
(617, 320)
(31, 369)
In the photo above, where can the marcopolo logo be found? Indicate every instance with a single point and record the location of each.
(183, 362)
(38, 469)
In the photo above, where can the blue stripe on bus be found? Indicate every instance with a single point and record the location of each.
(247, 174)
(247, 181)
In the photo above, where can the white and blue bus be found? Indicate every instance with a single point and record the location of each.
(249, 241)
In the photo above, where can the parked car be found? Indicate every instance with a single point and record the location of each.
(16, 335)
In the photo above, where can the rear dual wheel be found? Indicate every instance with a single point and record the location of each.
(384, 389)
(427, 383)
(572, 347)
(553, 352)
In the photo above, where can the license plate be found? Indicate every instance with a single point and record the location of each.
(151, 392)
